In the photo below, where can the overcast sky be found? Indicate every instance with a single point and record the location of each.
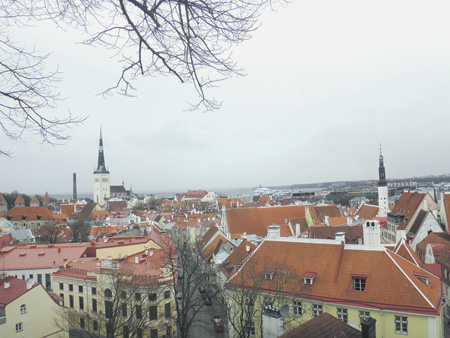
(327, 82)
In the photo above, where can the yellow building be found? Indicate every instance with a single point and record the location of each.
(27, 310)
(309, 277)
(123, 290)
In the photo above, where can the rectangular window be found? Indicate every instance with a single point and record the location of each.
(82, 322)
(166, 294)
(297, 308)
(95, 325)
(401, 324)
(139, 333)
(362, 315)
(342, 314)
(153, 310)
(138, 311)
(154, 333)
(108, 309)
(317, 310)
(39, 278)
(19, 327)
(62, 297)
(126, 332)
(70, 287)
(81, 302)
(167, 311)
(31, 276)
(94, 305)
(137, 296)
(48, 284)
(94, 291)
(124, 310)
(152, 297)
(61, 286)
(358, 283)
(71, 301)
(80, 288)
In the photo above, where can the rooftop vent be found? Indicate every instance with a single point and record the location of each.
(41, 253)
(6, 284)
(22, 254)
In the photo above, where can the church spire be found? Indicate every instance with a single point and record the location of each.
(101, 166)
(381, 171)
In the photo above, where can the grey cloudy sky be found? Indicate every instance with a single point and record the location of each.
(327, 81)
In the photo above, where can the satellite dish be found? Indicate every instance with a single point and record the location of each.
(284, 310)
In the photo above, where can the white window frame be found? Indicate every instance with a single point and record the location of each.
(317, 310)
(19, 327)
(402, 323)
(342, 314)
(23, 309)
(357, 284)
(297, 308)
(362, 315)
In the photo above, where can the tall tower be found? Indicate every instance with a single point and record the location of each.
(101, 177)
(383, 203)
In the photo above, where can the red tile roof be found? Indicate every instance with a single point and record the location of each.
(2, 200)
(42, 256)
(367, 211)
(352, 233)
(324, 325)
(19, 200)
(17, 288)
(408, 203)
(256, 220)
(237, 258)
(207, 236)
(35, 200)
(230, 202)
(30, 214)
(46, 198)
(446, 207)
(319, 212)
(391, 283)
(404, 249)
(213, 247)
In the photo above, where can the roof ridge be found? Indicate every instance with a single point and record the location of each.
(405, 274)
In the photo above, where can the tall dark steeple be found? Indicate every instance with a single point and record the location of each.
(381, 172)
(101, 166)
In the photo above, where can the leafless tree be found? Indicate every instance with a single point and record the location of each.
(248, 295)
(188, 39)
(189, 265)
(27, 92)
(52, 233)
(126, 306)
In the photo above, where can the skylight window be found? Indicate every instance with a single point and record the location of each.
(424, 278)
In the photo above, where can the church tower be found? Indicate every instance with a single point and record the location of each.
(383, 202)
(101, 177)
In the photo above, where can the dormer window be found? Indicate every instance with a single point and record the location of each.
(359, 283)
(269, 274)
(308, 278)
(424, 278)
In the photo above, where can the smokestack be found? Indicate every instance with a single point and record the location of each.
(74, 186)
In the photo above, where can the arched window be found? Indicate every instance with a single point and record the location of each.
(23, 309)
(108, 293)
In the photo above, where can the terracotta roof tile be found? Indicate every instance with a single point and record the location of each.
(30, 214)
(2, 200)
(17, 288)
(325, 210)
(256, 220)
(352, 233)
(207, 236)
(336, 265)
(367, 211)
(213, 247)
(46, 198)
(238, 257)
(35, 200)
(230, 202)
(19, 200)
(408, 203)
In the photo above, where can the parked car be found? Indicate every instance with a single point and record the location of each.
(207, 300)
(217, 322)
(202, 289)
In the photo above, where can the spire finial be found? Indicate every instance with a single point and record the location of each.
(380, 150)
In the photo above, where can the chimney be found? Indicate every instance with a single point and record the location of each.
(30, 283)
(400, 234)
(136, 260)
(340, 236)
(6, 284)
(247, 248)
(368, 327)
(349, 220)
(273, 231)
(297, 230)
(327, 222)
(372, 233)
(74, 186)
